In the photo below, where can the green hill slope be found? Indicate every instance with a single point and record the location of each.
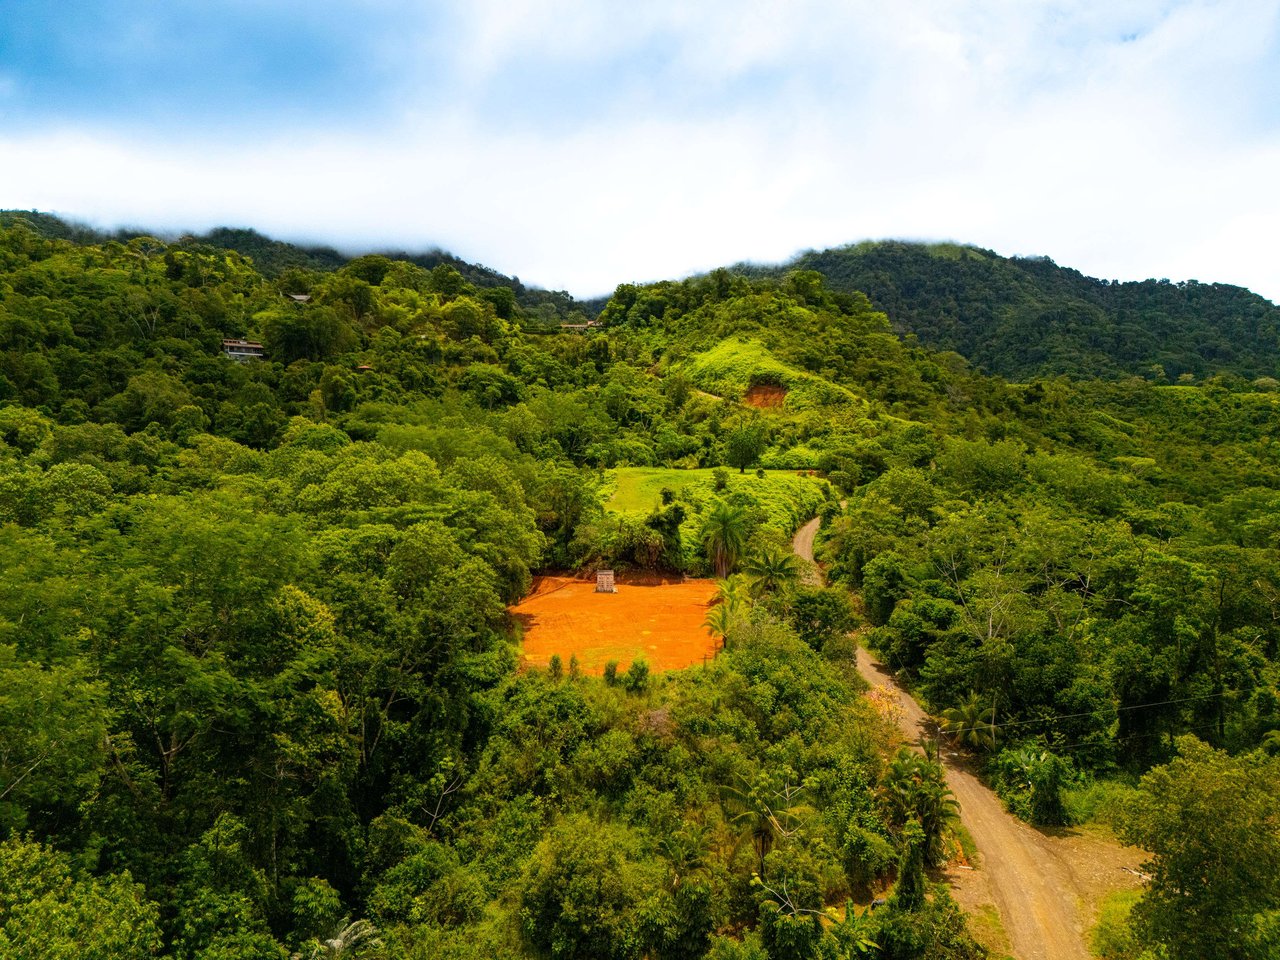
(273, 258)
(1026, 317)
(261, 683)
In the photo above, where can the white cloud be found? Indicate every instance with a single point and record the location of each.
(1119, 139)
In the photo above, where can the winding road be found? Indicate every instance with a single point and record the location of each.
(1044, 887)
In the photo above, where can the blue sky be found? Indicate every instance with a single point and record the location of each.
(582, 144)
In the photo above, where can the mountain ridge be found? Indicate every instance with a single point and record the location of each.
(1023, 317)
(1019, 317)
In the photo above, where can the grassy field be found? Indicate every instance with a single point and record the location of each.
(787, 498)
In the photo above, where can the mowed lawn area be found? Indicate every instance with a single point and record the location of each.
(639, 489)
(657, 621)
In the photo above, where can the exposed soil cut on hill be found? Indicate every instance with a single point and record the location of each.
(651, 618)
(765, 395)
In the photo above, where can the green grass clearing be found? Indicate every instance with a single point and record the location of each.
(986, 928)
(787, 498)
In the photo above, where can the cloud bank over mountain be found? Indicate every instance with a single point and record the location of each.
(582, 144)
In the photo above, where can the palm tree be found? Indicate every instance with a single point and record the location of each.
(685, 851)
(724, 536)
(971, 723)
(772, 569)
(937, 810)
(766, 810)
(719, 622)
(914, 788)
(728, 610)
(732, 591)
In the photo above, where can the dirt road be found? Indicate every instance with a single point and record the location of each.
(1045, 888)
(802, 544)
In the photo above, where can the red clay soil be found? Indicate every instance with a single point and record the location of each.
(657, 620)
(765, 395)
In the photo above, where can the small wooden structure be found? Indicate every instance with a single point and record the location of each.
(604, 582)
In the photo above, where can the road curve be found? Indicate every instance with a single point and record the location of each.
(1036, 889)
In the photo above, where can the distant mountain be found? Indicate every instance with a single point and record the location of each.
(1027, 317)
(274, 257)
(1019, 317)
(56, 228)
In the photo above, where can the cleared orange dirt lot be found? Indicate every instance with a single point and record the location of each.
(657, 620)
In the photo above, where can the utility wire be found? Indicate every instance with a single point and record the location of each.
(1102, 710)
(1140, 736)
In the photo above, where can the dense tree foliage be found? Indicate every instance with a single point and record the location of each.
(1213, 823)
(1026, 317)
(259, 690)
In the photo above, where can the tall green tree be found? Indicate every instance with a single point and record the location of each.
(744, 445)
(50, 910)
(908, 893)
(1212, 824)
(582, 891)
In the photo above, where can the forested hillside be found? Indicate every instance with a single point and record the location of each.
(261, 690)
(272, 258)
(1028, 317)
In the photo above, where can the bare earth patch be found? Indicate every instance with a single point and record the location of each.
(765, 395)
(648, 618)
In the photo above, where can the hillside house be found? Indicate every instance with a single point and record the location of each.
(242, 350)
(581, 327)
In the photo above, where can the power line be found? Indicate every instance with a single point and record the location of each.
(1102, 710)
(1141, 736)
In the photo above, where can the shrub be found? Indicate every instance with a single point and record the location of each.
(1030, 781)
(1098, 801)
(636, 679)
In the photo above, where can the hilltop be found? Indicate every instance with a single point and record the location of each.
(1025, 317)
(276, 258)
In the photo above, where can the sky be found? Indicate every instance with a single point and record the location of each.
(579, 144)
